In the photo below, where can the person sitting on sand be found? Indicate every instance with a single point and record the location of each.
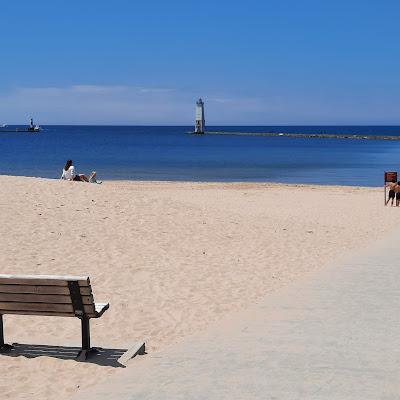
(392, 185)
(69, 173)
(92, 178)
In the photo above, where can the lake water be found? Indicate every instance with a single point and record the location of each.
(170, 153)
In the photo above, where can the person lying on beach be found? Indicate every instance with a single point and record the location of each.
(392, 185)
(69, 173)
(92, 178)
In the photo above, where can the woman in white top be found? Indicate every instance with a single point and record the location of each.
(69, 173)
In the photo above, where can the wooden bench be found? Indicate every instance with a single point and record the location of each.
(48, 295)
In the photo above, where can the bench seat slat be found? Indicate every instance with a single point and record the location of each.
(51, 280)
(39, 307)
(43, 313)
(42, 298)
(37, 289)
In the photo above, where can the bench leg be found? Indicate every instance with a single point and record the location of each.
(86, 349)
(1, 331)
(85, 327)
(3, 346)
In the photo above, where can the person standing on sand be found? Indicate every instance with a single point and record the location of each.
(392, 185)
(397, 191)
(69, 173)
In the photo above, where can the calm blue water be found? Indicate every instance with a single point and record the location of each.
(169, 153)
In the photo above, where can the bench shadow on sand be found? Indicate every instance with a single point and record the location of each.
(103, 357)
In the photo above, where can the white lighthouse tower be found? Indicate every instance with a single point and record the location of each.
(200, 121)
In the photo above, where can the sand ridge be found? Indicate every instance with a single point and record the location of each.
(170, 257)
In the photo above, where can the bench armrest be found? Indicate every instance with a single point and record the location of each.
(101, 308)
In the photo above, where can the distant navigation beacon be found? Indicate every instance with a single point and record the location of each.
(200, 121)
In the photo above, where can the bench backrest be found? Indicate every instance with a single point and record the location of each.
(66, 296)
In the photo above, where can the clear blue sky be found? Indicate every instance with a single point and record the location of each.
(255, 62)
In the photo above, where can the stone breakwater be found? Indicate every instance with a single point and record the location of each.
(307, 135)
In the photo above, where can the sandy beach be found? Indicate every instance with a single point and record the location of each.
(170, 258)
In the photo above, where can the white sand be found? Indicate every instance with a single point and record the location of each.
(171, 258)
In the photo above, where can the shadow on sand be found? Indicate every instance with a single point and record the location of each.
(103, 357)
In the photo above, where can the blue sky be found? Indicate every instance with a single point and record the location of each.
(254, 62)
